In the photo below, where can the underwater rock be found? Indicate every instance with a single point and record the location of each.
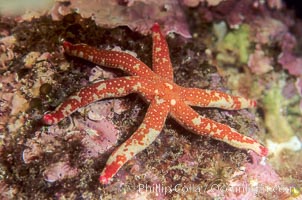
(59, 171)
(137, 15)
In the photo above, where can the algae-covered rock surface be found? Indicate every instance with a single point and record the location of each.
(248, 48)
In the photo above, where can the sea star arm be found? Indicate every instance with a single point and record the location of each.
(200, 125)
(147, 132)
(104, 89)
(112, 59)
(212, 98)
(161, 62)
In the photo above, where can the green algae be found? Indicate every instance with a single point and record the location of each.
(234, 47)
(276, 123)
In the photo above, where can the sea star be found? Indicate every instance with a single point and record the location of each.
(164, 96)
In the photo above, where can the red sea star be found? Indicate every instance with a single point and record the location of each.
(163, 95)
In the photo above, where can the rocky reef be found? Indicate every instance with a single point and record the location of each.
(250, 48)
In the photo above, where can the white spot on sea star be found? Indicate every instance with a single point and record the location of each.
(67, 110)
(164, 60)
(101, 86)
(173, 102)
(218, 131)
(95, 97)
(121, 90)
(81, 54)
(156, 36)
(74, 52)
(136, 86)
(197, 120)
(169, 86)
(208, 127)
(90, 58)
(136, 66)
(76, 97)
(159, 100)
